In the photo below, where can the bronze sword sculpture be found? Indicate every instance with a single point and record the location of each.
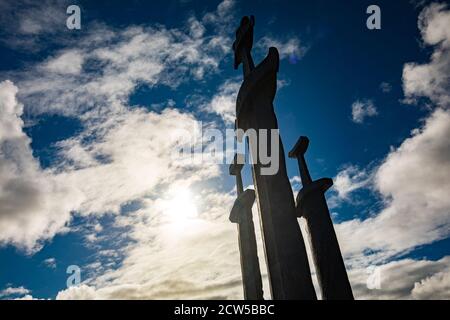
(241, 214)
(311, 205)
(287, 263)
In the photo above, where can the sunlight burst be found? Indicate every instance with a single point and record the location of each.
(181, 204)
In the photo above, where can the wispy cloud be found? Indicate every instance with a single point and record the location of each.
(50, 263)
(27, 24)
(362, 109)
(385, 87)
(14, 291)
(290, 48)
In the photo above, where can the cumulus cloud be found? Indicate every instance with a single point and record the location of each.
(81, 292)
(431, 79)
(435, 286)
(33, 204)
(403, 279)
(412, 180)
(362, 109)
(349, 179)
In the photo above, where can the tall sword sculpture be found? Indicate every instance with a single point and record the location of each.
(287, 263)
(311, 205)
(242, 215)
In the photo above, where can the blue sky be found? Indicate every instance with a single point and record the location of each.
(86, 168)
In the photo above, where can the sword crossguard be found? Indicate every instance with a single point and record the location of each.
(242, 206)
(237, 165)
(321, 185)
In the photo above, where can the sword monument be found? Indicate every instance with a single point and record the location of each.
(287, 262)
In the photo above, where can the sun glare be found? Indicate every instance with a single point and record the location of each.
(181, 204)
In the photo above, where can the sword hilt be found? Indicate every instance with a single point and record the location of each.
(243, 45)
(235, 170)
(298, 152)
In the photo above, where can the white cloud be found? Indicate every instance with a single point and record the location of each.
(166, 258)
(81, 292)
(362, 109)
(123, 60)
(136, 143)
(224, 101)
(412, 180)
(126, 154)
(50, 263)
(14, 291)
(33, 204)
(349, 179)
(26, 297)
(123, 153)
(290, 48)
(436, 286)
(404, 279)
(221, 16)
(431, 79)
(197, 30)
(69, 62)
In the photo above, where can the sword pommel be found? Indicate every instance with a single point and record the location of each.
(300, 148)
(244, 39)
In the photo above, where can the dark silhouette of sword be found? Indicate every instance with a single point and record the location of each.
(312, 205)
(241, 214)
